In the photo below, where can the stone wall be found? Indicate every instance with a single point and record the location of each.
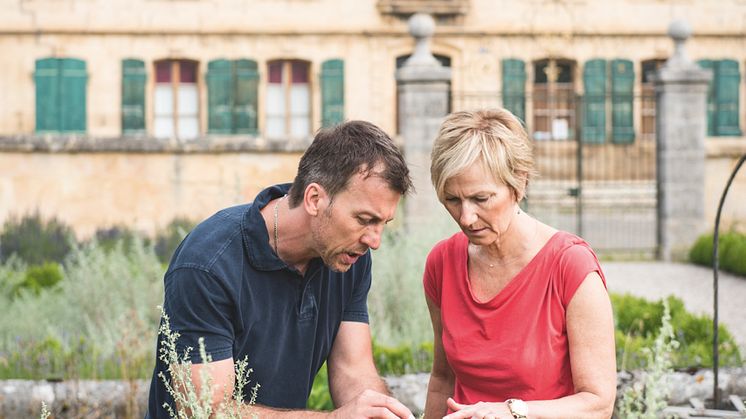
(21, 399)
(91, 184)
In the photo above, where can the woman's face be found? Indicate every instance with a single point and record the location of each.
(481, 207)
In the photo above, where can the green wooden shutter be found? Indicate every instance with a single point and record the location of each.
(219, 97)
(46, 80)
(73, 94)
(727, 81)
(332, 92)
(594, 118)
(133, 96)
(246, 97)
(514, 87)
(709, 65)
(622, 85)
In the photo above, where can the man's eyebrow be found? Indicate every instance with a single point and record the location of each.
(375, 217)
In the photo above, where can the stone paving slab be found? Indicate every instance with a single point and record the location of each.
(691, 283)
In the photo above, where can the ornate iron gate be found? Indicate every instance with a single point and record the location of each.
(596, 171)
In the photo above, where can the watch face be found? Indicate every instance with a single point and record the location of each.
(518, 407)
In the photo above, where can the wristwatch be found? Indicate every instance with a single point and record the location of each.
(518, 408)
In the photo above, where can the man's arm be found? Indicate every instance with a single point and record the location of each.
(356, 388)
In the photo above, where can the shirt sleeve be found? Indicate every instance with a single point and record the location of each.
(432, 277)
(199, 306)
(356, 309)
(575, 264)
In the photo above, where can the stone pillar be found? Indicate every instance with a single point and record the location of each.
(423, 85)
(681, 124)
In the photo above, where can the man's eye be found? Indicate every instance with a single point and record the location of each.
(363, 221)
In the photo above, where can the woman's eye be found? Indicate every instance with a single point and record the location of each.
(363, 221)
(481, 198)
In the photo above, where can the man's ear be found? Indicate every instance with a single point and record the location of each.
(315, 199)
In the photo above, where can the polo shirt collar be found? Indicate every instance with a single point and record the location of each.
(256, 241)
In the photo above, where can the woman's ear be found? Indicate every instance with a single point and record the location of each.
(315, 199)
(523, 182)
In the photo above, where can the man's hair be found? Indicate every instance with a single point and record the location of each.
(337, 153)
(493, 137)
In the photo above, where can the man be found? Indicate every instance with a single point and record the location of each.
(284, 280)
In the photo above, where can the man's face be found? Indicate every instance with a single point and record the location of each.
(353, 223)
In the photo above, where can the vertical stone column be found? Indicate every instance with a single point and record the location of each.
(681, 124)
(423, 85)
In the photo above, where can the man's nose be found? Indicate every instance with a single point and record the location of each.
(372, 237)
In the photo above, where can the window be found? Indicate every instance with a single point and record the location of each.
(232, 96)
(722, 97)
(332, 92)
(514, 87)
(554, 99)
(288, 109)
(133, 96)
(622, 77)
(647, 106)
(176, 99)
(60, 95)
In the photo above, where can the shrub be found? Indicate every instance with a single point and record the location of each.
(398, 313)
(731, 251)
(38, 278)
(34, 240)
(101, 315)
(168, 239)
(638, 321)
(109, 238)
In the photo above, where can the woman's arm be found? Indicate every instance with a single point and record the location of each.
(440, 387)
(590, 330)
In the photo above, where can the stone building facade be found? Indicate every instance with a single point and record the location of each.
(133, 112)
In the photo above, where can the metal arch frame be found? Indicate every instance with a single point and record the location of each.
(715, 267)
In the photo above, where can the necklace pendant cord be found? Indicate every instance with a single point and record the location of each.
(277, 205)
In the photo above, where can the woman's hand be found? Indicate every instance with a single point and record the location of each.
(481, 410)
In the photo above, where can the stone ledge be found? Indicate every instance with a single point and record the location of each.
(725, 146)
(111, 398)
(55, 143)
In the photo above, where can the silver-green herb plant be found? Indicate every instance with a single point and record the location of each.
(648, 397)
(196, 402)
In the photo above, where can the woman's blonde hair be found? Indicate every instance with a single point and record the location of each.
(494, 137)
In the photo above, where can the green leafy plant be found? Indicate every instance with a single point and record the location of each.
(638, 321)
(646, 399)
(38, 278)
(731, 251)
(35, 240)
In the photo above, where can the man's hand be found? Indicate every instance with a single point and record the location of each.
(369, 405)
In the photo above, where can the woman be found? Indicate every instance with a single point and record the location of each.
(521, 318)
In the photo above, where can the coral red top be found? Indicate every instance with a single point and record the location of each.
(514, 345)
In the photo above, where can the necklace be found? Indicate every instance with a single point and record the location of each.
(277, 205)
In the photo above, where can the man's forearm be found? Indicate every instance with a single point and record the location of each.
(263, 412)
(345, 388)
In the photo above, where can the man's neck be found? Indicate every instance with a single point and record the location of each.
(289, 233)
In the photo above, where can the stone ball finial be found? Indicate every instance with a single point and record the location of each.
(421, 25)
(679, 30)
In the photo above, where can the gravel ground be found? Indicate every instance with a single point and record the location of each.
(693, 284)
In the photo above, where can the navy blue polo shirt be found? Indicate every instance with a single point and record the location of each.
(226, 284)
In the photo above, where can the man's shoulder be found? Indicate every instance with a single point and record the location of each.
(212, 238)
